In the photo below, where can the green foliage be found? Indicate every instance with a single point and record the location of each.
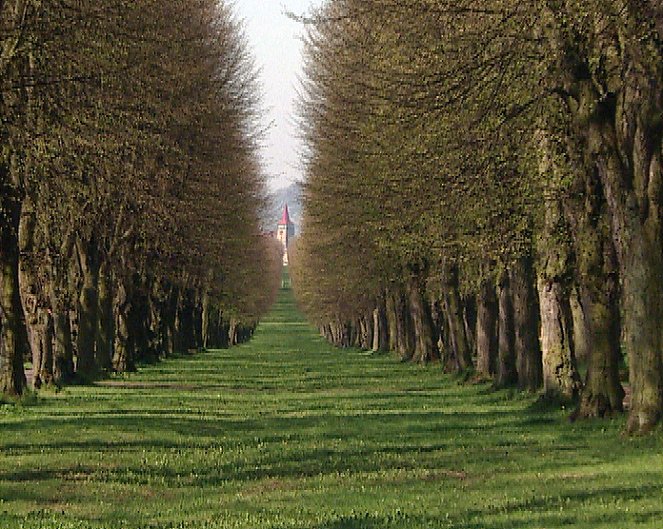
(285, 432)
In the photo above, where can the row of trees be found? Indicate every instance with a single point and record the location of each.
(130, 190)
(485, 187)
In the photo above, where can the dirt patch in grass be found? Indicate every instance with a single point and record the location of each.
(267, 486)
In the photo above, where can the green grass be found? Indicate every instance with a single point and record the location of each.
(286, 432)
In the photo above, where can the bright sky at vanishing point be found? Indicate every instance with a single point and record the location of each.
(275, 41)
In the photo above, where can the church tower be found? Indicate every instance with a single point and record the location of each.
(285, 230)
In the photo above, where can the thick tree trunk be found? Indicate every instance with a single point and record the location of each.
(12, 332)
(232, 332)
(36, 306)
(633, 196)
(554, 271)
(525, 324)
(105, 335)
(206, 321)
(124, 356)
(560, 373)
(390, 308)
(86, 364)
(581, 340)
(602, 394)
(487, 343)
(506, 359)
(453, 309)
(365, 335)
(470, 322)
(184, 324)
(380, 328)
(400, 326)
(63, 349)
(595, 301)
(425, 349)
(139, 320)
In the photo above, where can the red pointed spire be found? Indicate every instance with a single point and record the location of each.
(285, 218)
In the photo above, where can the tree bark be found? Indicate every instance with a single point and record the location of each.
(105, 332)
(425, 349)
(525, 324)
(86, 364)
(124, 356)
(380, 328)
(560, 373)
(36, 306)
(12, 332)
(635, 212)
(453, 309)
(400, 326)
(506, 360)
(596, 305)
(487, 340)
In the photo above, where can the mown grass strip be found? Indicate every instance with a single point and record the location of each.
(285, 432)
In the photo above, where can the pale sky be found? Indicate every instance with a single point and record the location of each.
(275, 42)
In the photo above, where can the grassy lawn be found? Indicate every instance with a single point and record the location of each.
(286, 432)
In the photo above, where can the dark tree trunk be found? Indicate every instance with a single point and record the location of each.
(88, 259)
(453, 309)
(390, 308)
(506, 361)
(403, 335)
(105, 335)
(637, 233)
(470, 322)
(602, 394)
(581, 340)
(12, 331)
(596, 312)
(206, 320)
(425, 349)
(36, 305)
(380, 328)
(63, 349)
(525, 325)
(487, 343)
(124, 357)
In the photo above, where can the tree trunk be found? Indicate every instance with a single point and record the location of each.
(63, 349)
(506, 360)
(206, 323)
(602, 394)
(365, 335)
(595, 302)
(525, 324)
(12, 332)
(86, 364)
(560, 374)
(634, 201)
(390, 307)
(105, 335)
(424, 350)
(58, 292)
(487, 343)
(581, 340)
(470, 322)
(403, 336)
(124, 356)
(36, 309)
(453, 309)
(380, 328)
